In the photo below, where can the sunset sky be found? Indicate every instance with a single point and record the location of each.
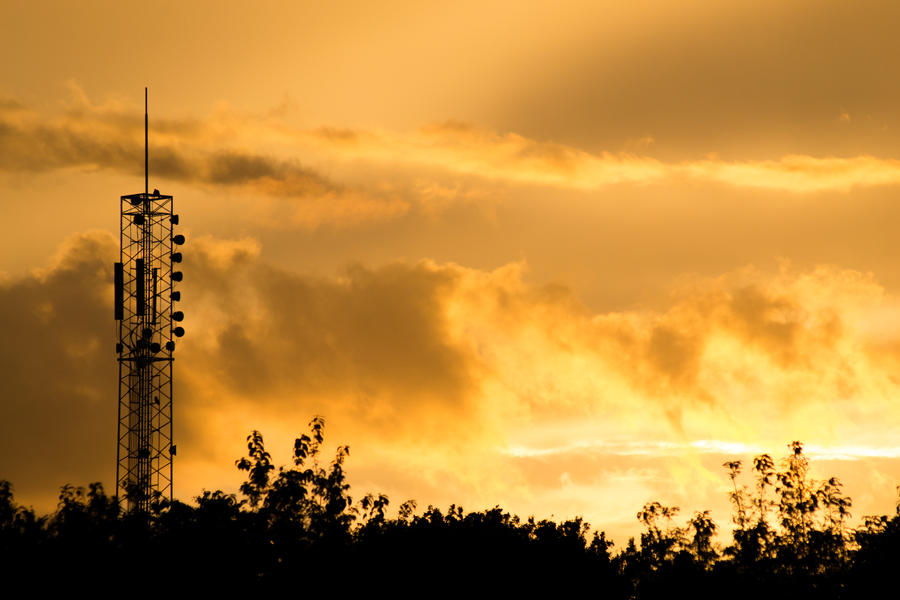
(564, 257)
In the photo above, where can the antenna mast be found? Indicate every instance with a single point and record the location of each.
(146, 147)
(144, 304)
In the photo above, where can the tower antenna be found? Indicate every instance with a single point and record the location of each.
(144, 286)
(146, 146)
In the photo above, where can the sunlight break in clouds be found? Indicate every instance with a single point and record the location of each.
(514, 158)
(716, 447)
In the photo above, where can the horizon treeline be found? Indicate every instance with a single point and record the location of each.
(297, 527)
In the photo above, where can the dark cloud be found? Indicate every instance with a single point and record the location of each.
(110, 140)
(40, 148)
(58, 382)
(289, 177)
(229, 167)
(772, 322)
(371, 333)
(371, 336)
(674, 356)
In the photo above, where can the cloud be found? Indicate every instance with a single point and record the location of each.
(800, 174)
(261, 341)
(454, 384)
(107, 137)
(378, 175)
(434, 371)
(513, 158)
(377, 330)
(59, 373)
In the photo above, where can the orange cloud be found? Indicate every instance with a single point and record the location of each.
(517, 159)
(454, 384)
(800, 174)
(377, 175)
(106, 137)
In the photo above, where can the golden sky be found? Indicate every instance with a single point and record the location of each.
(565, 257)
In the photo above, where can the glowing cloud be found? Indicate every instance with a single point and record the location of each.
(277, 163)
(458, 384)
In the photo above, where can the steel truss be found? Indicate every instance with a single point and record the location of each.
(145, 295)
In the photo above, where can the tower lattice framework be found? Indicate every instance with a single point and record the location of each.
(145, 297)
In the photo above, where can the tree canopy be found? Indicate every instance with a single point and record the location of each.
(297, 526)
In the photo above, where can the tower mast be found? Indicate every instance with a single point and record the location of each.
(145, 296)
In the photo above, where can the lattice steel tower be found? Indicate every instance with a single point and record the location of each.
(145, 298)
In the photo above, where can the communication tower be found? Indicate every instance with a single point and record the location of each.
(145, 297)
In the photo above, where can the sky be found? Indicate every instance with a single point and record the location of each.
(562, 257)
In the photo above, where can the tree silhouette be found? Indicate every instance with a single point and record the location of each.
(297, 528)
(258, 464)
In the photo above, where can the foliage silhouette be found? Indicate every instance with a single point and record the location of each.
(297, 527)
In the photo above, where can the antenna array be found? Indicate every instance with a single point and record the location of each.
(145, 297)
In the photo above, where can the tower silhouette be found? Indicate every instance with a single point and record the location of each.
(145, 297)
